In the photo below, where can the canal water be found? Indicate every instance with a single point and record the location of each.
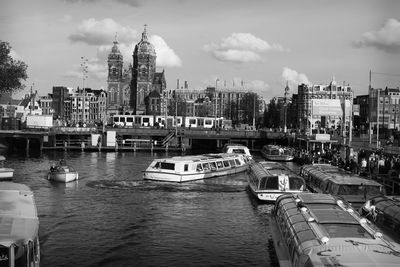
(111, 217)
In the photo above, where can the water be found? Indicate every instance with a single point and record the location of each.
(111, 217)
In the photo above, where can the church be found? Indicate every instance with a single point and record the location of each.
(137, 90)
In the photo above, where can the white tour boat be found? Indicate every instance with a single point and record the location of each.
(62, 173)
(277, 153)
(19, 226)
(237, 149)
(268, 180)
(5, 173)
(195, 167)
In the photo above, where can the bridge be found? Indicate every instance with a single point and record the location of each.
(140, 138)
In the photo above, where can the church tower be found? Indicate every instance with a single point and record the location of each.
(143, 70)
(115, 76)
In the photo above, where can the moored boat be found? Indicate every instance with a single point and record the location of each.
(384, 211)
(62, 173)
(237, 149)
(5, 173)
(267, 180)
(310, 229)
(277, 153)
(195, 167)
(328, 179)
(19, 226)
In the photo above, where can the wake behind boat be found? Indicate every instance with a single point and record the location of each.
(62, 173)
(195, 167)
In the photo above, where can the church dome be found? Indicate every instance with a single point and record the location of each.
(144, 46)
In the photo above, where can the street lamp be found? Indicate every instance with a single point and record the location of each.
(84, 66)
(216, 102)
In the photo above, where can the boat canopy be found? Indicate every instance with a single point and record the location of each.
(18, 215)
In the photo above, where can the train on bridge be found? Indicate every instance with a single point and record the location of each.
(170, 121)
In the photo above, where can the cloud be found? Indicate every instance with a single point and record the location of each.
(101, 32)
(97, 70)
(387, 38)
(241, 47)
(132, 3)
(166, 56)
(15, 55)
(293, 77)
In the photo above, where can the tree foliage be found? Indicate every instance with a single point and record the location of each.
(249, 107)
(272, 115)
(12, 72)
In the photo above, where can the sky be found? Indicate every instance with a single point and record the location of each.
(260, 44)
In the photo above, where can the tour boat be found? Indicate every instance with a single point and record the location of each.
(19, 226)
(310, 229)
(268, 180)
(237, 149)
(5, 173)
(195, 167)
(277, 153)
(384, 211)
(328, 179)
(62, 173)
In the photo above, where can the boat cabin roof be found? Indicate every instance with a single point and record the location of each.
(275, 168)
(329, 232)
(18, 214)
(200, 158)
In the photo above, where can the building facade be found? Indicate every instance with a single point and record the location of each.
(324, 107)
(384, 108)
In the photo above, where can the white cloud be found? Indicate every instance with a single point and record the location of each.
(14, 55)
(166, 56)
(241, 47)
(66, 18)
(97, 70)
(387, 38)
(101, 32)
(293, 77)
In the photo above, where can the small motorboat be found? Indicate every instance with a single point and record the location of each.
(62, 173)
(6, 174)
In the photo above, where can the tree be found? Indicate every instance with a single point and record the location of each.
(12, 71)
(249, 107)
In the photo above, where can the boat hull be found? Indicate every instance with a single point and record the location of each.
(278, 157)
(181, 178)
(63, 177)
(6, 174)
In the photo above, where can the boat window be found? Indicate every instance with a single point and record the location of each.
(219, 164)
(296, 183)
(238, 151)
(167, 166)
(237, 162)
(199, 167)
(206, 166)
(351, 190)
(185, 167)
(232, 162)
(4, 256)
(274, 152)
(213, 166)
(158, 165)
(269, 182)
(341, 230)
(116, 119)
(226, 163)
